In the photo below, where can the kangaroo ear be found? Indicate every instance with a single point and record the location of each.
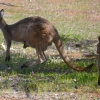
(2, 13)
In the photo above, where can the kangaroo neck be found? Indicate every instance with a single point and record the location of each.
(3, 24)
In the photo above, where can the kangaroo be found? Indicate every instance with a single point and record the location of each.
(98, 52)
(38, 33)
(25, 45)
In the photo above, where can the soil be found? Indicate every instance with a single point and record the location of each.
(52, 96)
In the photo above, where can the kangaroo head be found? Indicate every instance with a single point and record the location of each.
(1, 13)
(2, 21)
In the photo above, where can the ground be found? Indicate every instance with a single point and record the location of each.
(74, 17)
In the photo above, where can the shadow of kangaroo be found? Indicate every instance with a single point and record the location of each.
(38, 33)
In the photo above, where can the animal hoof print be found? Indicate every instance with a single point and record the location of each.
(7, 58)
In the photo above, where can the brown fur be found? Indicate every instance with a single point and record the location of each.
(98, 52)
(38, 33)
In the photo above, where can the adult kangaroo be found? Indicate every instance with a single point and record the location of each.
(38, 33)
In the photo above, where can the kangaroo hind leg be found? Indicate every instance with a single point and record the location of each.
(41, 55)
(41, 59)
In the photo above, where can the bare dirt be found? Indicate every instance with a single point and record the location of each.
(52, 96)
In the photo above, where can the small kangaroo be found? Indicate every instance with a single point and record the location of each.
(98, 52)
(38, 33)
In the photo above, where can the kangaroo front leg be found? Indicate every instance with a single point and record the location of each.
(8, 50)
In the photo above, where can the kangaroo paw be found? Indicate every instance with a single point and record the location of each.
(42, 62)
(7, 58)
